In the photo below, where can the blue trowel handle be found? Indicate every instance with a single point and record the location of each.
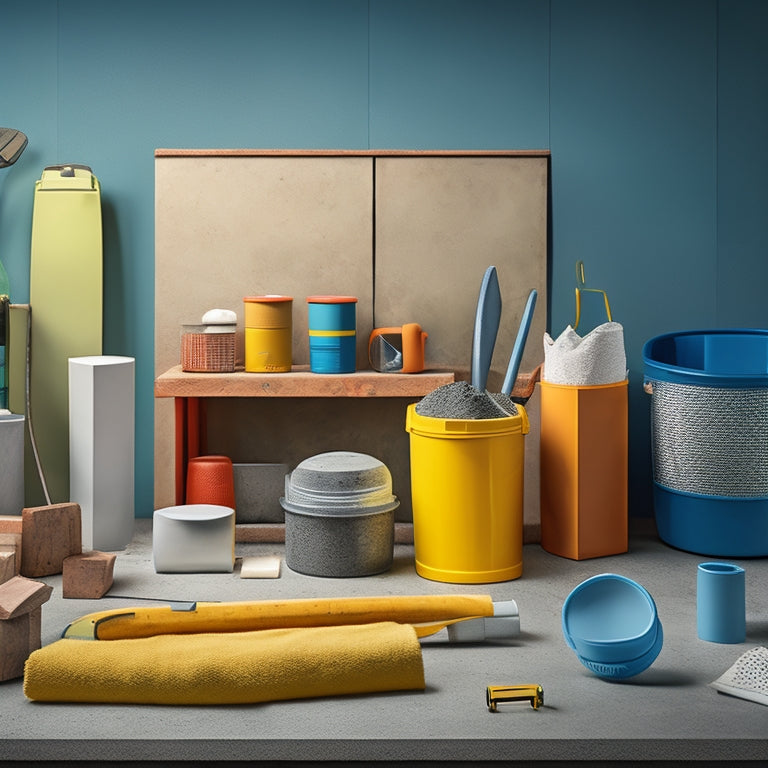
(517, 350)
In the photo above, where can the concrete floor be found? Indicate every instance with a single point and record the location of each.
(667, 713)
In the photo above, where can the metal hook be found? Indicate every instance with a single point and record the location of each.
(580, 286)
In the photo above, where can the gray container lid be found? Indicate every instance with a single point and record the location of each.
(339, 483)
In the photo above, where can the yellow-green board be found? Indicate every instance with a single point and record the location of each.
(65, 292)
(16, 357)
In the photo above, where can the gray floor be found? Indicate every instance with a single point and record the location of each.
(667, 713)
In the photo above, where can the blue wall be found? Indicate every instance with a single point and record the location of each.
(655, 112)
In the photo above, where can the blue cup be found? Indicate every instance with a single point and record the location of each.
(721, 603)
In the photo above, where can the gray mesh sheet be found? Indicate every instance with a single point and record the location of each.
(710, 440)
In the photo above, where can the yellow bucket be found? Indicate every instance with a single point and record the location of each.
(467, 496)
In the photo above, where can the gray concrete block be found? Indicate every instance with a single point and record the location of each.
(258, 488)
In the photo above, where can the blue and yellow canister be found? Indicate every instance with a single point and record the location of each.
(268, 333)
(332, 324)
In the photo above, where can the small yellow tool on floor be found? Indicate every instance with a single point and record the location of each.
(499, 694)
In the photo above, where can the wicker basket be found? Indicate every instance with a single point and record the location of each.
(203, 352)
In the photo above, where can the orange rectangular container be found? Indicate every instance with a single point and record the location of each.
(583, 469)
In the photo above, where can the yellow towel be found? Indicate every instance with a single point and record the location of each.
(229, 668)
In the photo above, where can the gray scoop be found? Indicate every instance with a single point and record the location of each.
(12, 144)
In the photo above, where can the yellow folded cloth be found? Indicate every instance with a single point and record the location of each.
(229, 668)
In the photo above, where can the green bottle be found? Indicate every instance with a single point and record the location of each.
(5, 292)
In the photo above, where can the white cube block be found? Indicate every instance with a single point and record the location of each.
(101, 448)
(194, 538)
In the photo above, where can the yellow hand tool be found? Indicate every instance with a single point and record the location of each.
(469, 618)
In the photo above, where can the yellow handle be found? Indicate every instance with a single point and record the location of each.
(580, 287)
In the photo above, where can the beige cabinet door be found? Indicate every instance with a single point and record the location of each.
(440, 222)
(229, 226)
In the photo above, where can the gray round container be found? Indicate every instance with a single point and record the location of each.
(339, 515)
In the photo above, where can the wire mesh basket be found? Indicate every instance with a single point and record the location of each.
(710, 440)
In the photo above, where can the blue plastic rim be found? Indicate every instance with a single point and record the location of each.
(613, 625)
(716, 526)
(735, 357)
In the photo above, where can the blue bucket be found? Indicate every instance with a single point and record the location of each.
(709, 433)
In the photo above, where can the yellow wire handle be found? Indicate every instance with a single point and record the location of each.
(580, 279)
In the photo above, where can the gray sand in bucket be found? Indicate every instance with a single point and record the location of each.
(460, 400)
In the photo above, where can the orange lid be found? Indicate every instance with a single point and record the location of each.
(331, 299)
(268, 297)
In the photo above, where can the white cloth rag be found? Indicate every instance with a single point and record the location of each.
(748, 677)
(597, 358)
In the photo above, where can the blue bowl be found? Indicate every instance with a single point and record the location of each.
(612, 624)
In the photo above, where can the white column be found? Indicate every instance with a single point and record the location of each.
(11, 463)
(101, 447)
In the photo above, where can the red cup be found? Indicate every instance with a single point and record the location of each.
(211, 480)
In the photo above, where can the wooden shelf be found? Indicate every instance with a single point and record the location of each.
(300, 382)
